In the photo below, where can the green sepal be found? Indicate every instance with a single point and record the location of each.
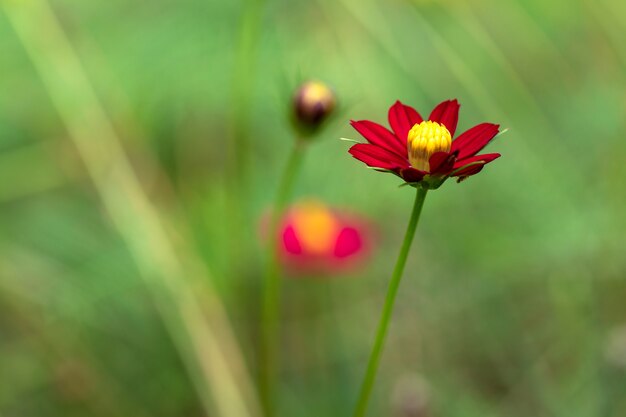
(428, 183)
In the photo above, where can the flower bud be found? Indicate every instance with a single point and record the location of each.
(615, 348)
(424, 140)
(411, 397)
(312, 104)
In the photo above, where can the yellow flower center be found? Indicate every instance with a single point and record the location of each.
(316, 227)
(424, 140)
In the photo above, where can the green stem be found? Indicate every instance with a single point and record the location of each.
(271, 290)
(240, 164)
(381, 334)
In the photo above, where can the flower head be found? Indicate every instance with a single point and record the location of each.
(314, 238)
(423, 152)
(313, 103)
(424, 140)
(411, 396)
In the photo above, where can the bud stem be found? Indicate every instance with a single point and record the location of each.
(271, 284)
(381, 334)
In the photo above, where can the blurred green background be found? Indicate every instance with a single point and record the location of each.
(512, 303)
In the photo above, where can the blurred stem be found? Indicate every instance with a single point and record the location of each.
(271, 290)
(243, 81)
(239, 158)
(196, 320)
(381, 334)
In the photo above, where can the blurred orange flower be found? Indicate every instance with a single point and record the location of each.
(315, 239)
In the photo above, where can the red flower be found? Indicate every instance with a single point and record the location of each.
(315, 239)
(423, 152)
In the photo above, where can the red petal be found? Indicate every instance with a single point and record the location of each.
(412, 175)
(402, 118)
(486, 158)
(446, 113)
(379, 135)
(470, 142)
(472, 166)
(291, 244)
(473, 170)
(348, 243)
(377, 157)
(441, 162)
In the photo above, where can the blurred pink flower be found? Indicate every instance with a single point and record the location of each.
(315, 239)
